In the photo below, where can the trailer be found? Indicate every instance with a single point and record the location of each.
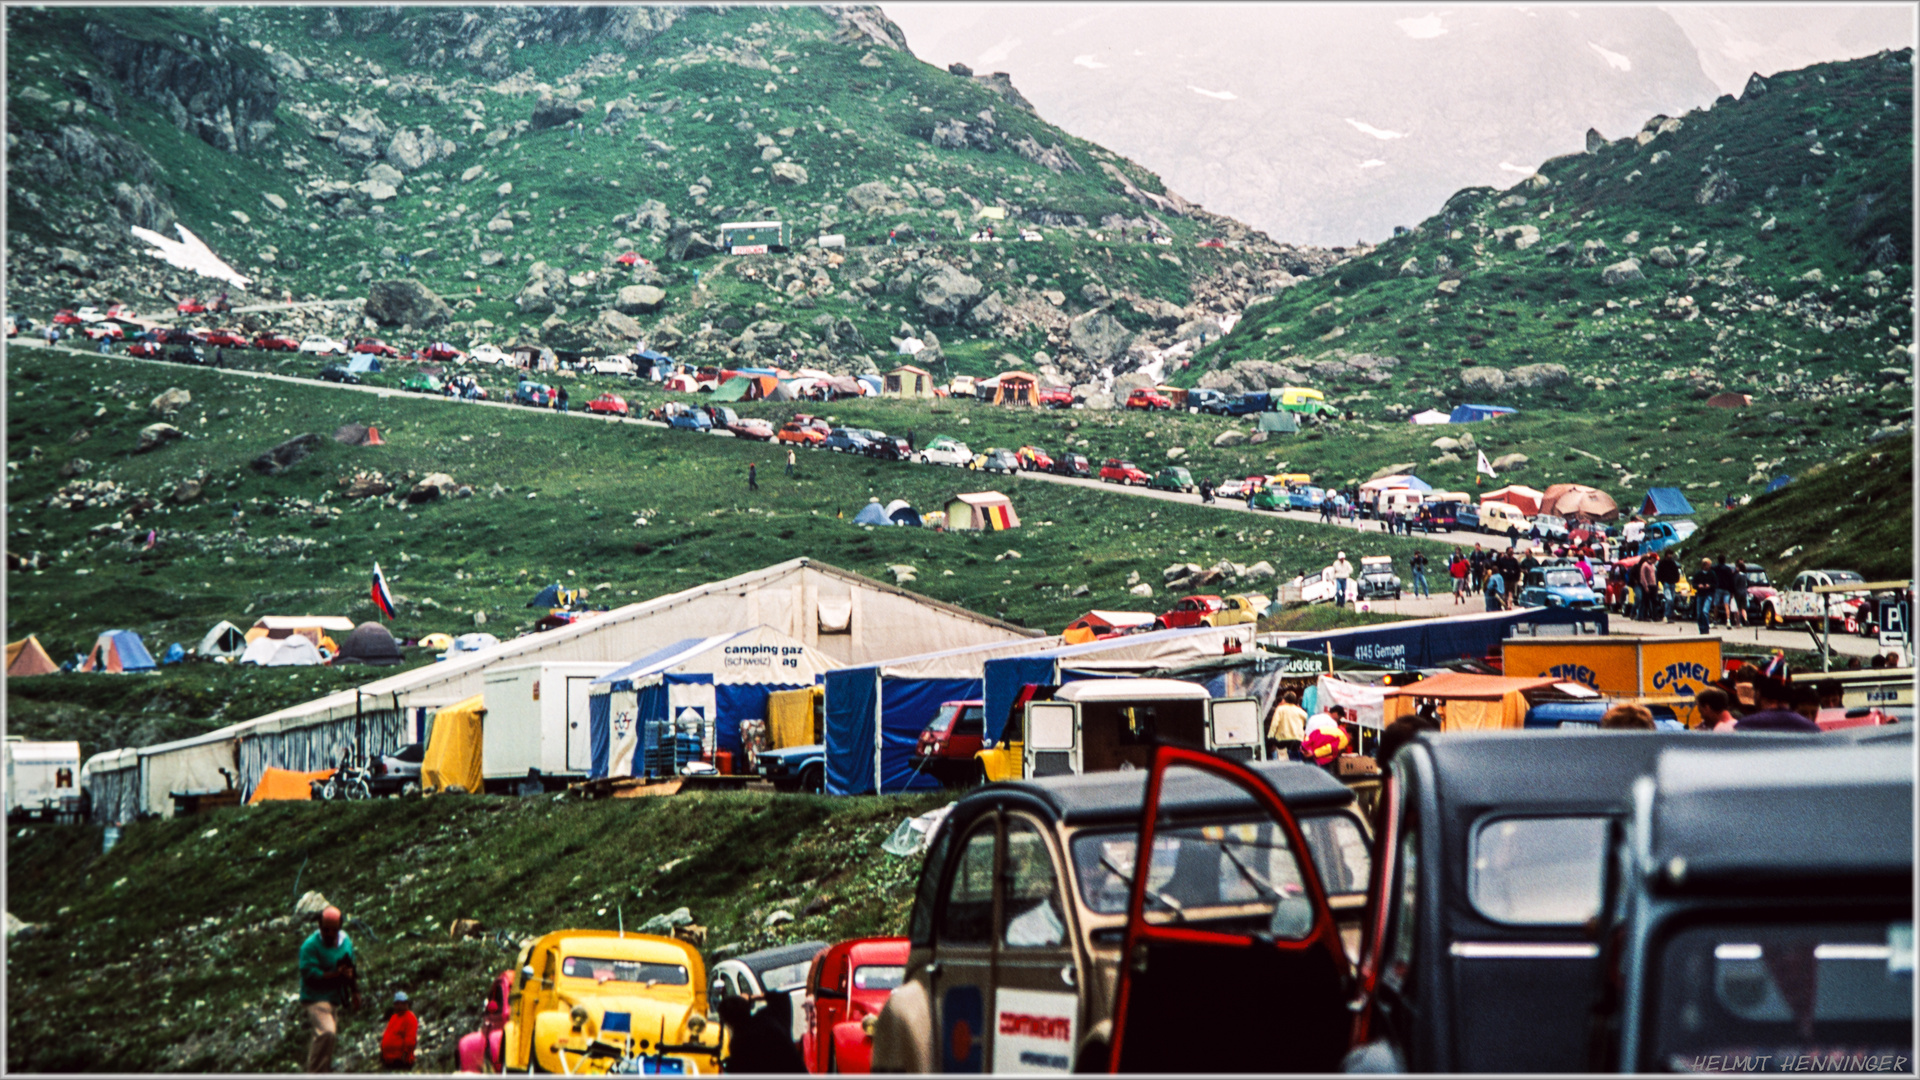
(537, 720)
(43, 780)
(753, 237)
(1623, 665)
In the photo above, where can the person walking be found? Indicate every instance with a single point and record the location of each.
(1646, 578)
(561, 397)
(1723, 590)
(1419, 565)
(789, 461)
(1342, 573)
(753, 476)
(1287, 728)
(1496, 592)
(402, 1037)
(1737, 603)
(1457, 569)
(1477, 562)
(1631, 534)
(1667, 573)
(1702, 582)
(329, 983)
(1508, 568)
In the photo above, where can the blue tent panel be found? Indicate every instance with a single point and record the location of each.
(549, 597)
(599, 734)
(872, 514)
(1777, 483)
(649, 354)
(852, 697)
(1665, 500)
(622, 678)
(1432, 642)
(133, 652)
(1004, 678)
(1467, 414)
(734, 702)
(175, 653)
(872, 381)
(907, 706)
(1414, 483)
(364, 363)
(907, 516)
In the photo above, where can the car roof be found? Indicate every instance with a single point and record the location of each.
(1118, 797)
(1476, 772)
(1813, 812)
(780, 955)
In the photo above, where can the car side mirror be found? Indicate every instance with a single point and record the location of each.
(720, 989)
(1292, 918)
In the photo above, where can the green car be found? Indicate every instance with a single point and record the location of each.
(1172, 478)
(421, 384)
(1271, 497)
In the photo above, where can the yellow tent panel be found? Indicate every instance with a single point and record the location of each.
(453, 754)
(286, 784)
(791, 717)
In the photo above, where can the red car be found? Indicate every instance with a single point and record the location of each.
(1034, 458)
(145, 350)
(481, 1050)
(1056, 397)
(1144, 398)
(377, 348)
(1191, 611)
(190, 306)
(609, 403)
(1115, 471)
(227, 338)
(65, 317)
(103, 330)
(270, 340)
(440, 350)
(950, 739)
(175, 335)
(847, 987)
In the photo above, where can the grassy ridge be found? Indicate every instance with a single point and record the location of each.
(176, 950)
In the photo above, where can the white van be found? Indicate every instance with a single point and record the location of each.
(1498, 517)
(1100, 725)
(537, 719)
(1402, 501)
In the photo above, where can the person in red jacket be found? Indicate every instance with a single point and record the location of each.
(403, 1032)
(1326, 740)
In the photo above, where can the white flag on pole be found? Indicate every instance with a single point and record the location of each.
(1485, 467)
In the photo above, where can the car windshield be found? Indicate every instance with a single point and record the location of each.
(879, 976)
(1538, 871)
(602, 970)
(1794, 988)
(1756, 574)
(1228, 864)
(786, 976)
(1843, 577)
(1563, 578)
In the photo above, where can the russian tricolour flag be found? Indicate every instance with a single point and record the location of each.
(382, 599)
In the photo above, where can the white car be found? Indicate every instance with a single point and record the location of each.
(321, 346)
(945, 451)
(1551, 526)
(488, 354)
(89, 314)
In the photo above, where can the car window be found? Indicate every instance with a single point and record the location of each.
(1539, 871)
(603, 970)
(879, 976)
(973, 721)
(1400, 948)
(786, 976)
(968, 915)
(920, 923)
(1339, 851)
(1193, 866)
(1031, 913)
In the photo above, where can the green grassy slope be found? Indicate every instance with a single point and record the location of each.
(630, 511)
(176, 950)
(1796, 286)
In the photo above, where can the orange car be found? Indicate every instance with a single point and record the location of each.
(795, 432)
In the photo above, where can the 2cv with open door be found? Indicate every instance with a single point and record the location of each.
(1031, 896)
(601, 1001)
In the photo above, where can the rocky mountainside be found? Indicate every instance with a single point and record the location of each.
(1326, 123)
(495, 161)
(1761, 247)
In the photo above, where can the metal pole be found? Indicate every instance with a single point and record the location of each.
(1826, 632)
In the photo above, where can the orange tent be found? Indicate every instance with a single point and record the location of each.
(1467, 702)
(27, 657)
(286, 784)
(1526, 499)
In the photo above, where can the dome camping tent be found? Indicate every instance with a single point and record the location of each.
(27, 657)
(903, 513)
(872, 514)
(225, 639)
(294, 650)
(119, 652)
(371, 644)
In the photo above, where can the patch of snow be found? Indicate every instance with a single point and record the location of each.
(1521, 169)
(1088, 61)
(1614, 60)
(191, 253)
(1372, 163)
(1427, 26)
(1378, 133)
(1217, 95)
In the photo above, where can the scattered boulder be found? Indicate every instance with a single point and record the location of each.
(1508, 461)
(786, 172)
(405, 303)
(552, 112)
(946, 295)
(1230, 438)
(1445, 445)
(1623, 272)
(367, 485)
(871, 196)
(154, 436)
(1099, 336)
(171, 402)
(415, 148)
(683, 244)
(1142, 589)
(1663, 256)
(611, 328)
(286, 455)
(988, 311)
(431, 487)
(186, 491)
(639, 299)
(1483, 380)
(1538, 376)
(65, 258)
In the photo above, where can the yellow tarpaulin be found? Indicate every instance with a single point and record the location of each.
(286, 784)
(1467, 702)
(790, 717)
(453, 754)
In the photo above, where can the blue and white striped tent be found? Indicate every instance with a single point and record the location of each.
(697, 686)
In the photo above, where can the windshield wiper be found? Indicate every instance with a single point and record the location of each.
(1170, 903)
(1259, 883)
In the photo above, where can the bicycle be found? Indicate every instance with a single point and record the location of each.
(350, 781)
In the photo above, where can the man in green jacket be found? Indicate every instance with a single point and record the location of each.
(328, 983)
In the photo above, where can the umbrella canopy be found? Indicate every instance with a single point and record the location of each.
(1579, 501)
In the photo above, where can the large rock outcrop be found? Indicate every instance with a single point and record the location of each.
(405, 303)
(204, 89)
(946, 295)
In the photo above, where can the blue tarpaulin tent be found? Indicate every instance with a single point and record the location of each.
(648, 717)
(1777, 483)
(872, 514)
(875, 713)
(1128, 654)
(552, 596)
(1433, 642)
(1467, 414)
(364, 363)
(1665, 500)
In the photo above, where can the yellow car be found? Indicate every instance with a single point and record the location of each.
(585, 1000)
(1239, 609)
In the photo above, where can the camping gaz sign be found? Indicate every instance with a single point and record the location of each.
(763, 658)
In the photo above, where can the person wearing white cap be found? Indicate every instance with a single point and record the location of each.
(402, 1035)
(1342, 574)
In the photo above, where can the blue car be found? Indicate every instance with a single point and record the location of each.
(848, 441)
(1578, 715)
(1662, 535)
(1466, 518)
(796, 768)
(539, 395)
(1557, 587)
(691, 421)
(1305, 497)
